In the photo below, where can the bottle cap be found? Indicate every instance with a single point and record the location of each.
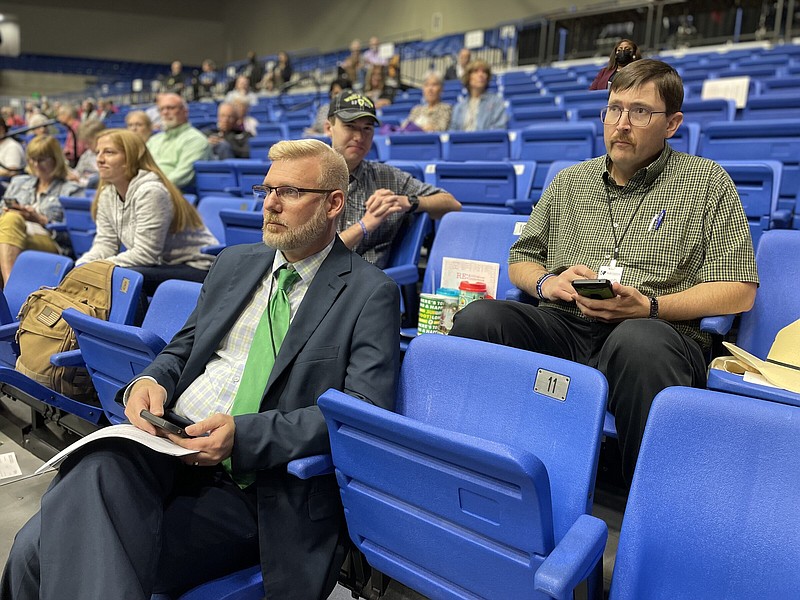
(472, 287)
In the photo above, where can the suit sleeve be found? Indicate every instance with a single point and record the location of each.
(272, 438)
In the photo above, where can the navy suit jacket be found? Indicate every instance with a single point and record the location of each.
(344, 336)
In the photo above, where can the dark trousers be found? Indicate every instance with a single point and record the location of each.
(639, 357)
(121, 521)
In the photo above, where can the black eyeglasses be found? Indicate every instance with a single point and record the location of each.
(286, 193)
(639, 116)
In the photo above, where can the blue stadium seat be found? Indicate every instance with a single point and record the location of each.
(413, 168)
(547, 143)
(479, 186)
(707, 111)
(79, 223)
(758, 183)
(126, 287)
(32, 270)
(768, 139)
(413, 146)
(260, 145)
(477, 145)
(115, 353)
(249, 172)
(524, 116)
(686, 138)
(585, 97)
(712, 510)
(241, 227)
(773, 106)
(215, 177)
(775, 307)
(506, 483)
(210, 207)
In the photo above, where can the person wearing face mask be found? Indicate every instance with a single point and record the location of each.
(624, 53)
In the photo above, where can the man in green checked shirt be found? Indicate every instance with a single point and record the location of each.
(668, 229)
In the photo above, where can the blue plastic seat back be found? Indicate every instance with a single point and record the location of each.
(407, 245)
(708, 111)
(260, 145)
(214, 177)
(767, 139)
(80, 224)
(249, 172)
(477, 145)
(210, 207)
(555, 168)
(414, 146)
(242, 227)
(479, 466)
(757, 183)
(524, 116)
(126, 288)
(686, 138)
(778, 260)
(773, 106)
(414, 168)
(712, 510)
(475, 236)
(32, 270)
(481, 186)
(115, 353)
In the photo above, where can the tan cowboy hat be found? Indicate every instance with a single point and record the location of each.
(782, 367)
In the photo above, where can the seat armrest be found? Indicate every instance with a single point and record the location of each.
(233, 191)
(9, 331)
(56, 226)
(70, 358)
(573, 559)
(311, 466)
(403, 274)
(781, 219)
(719, 325)
(520, 206)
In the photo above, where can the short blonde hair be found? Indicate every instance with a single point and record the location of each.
(46, 146)
(333, 173)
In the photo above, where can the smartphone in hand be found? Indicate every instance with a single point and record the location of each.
(163, 424)
(11, 203)
(596, 289)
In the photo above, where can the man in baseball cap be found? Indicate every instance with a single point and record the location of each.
(380, 198)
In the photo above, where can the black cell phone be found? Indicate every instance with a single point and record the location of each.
(596, 289)
(162, 423)
(11, 202)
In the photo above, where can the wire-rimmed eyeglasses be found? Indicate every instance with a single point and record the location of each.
(638, 116)
(286, 193)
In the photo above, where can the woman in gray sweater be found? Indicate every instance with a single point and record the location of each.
(143, 221)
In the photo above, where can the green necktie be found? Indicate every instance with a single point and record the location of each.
(271, 329)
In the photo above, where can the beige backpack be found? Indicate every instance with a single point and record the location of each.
(42, 332)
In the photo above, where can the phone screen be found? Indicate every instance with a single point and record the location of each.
(596, 289)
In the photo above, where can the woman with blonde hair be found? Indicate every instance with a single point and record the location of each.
(32, 202)
(137, 207)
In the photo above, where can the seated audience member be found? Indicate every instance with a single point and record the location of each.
(67, 115)
(393, 74)
(11, 118)
(433, 115)
(318, 127)
(161, 524)
(624, 53)
(179, 145)
(669, 231)
(105, 108)
(88, 110)
(457, 70)
(352, 66)
(137, 207)
(380, 197)
(249, 122)
(12, 154)
(207, 78)
(372, 55)
(376, 88)
(139, 123)
(39, 123)
(242, 91)
(253, 70)
(85, 172)
(22, 224)
(175, 82)
(280, 74)
(228, 139)
(481, 109)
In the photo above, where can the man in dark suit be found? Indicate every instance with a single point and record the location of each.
(122, 521)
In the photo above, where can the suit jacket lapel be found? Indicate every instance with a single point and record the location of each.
(321, 294)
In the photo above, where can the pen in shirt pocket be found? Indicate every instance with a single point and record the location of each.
(657, 220)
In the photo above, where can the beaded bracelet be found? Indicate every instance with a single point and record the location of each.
(363, 229)
(539, 283)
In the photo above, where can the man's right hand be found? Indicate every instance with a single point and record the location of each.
(145, 394)
(560, 287)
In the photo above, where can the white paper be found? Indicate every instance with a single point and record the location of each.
(125, 431)
(728, 88)
(757, 378)
(9, 467)
(456, 270)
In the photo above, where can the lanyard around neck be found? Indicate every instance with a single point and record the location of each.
(618, 241)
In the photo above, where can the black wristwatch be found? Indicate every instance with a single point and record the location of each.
(653, 307)
(414, 201)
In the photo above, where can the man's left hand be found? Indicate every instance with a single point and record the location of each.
(628, 303)
(212, 448)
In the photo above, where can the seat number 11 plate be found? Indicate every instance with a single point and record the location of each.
(551, 384)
